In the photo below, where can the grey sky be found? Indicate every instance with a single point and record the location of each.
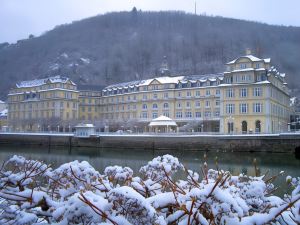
(19, 18)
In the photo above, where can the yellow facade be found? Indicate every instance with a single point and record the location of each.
(254, 98)
(250, 97)
(49, 104)
(89, 106)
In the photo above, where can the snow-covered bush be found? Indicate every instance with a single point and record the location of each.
(31, 192)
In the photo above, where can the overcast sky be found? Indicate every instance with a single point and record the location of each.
(19, 18)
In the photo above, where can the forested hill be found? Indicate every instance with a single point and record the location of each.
(122, 46)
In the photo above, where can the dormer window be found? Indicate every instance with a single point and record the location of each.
(243, 66)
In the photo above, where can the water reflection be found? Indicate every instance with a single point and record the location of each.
(235, 162)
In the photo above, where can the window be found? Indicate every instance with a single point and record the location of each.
(207, 93)
(188, 105)
(154, 96)
(166, 105)
(243, 77)
(178, 94)
(198, 84)
(217, 113)
(243, 108)
(144, 115)
(229, 93)
(154, 115)
(207, 114)
(243, 66)
(257, 91)
(144, 96)
(197, 93)
(154, 106)
(197, 104)
(218, 92)
(197, 114)
(179, 105)
(207, 104)
(217, 102)
(188, 94)
(155, 87)
(188, 114)
(229, 108)
(228, 80)
(243, 92)
(166, 114)
(144, 106)
(128, 98)
(257, 66)
(145, 88)
(166, 95)
(178, 114)
(257, 107)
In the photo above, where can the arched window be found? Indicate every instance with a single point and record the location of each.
(166, 105)
(257, 126)
(154, 106)
(144, 106)
(244, 127)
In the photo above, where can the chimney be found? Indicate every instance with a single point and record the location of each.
(248, 51)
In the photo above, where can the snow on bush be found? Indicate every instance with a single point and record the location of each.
(31, 192)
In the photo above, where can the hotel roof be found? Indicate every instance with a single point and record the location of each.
(39, 82)
(252, 58)
(167, 80)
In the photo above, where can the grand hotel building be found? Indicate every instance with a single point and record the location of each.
(251, 96)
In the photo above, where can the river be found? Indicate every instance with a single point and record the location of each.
(235, 162)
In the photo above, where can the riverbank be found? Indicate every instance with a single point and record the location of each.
(285, 142)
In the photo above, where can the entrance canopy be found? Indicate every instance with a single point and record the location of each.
(163, 121)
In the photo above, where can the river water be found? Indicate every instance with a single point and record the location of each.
(235, 162)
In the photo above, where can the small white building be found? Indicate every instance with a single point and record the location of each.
(84, 130)
(162, 124)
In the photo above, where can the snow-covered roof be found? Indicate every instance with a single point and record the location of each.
(2, 102)
(39, 82)
(166, 80)
(162, 121)
(3, 113)
(245, 70)
(252, 58)
(85, 125)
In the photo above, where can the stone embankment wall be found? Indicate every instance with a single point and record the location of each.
(270, 143)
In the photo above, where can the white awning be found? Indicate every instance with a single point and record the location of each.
(162, 121)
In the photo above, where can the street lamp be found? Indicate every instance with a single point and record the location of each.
(135, 127)
(58, 128)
